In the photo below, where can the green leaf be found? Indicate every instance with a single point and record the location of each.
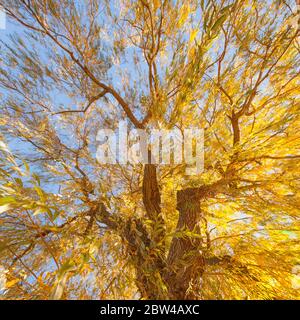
(26, 167)
(226, 9)
(36, 178)
(40, 192)
(219, 23)
(19, 182)
(202, 4)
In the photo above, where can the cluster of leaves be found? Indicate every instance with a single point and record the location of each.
(76, 229)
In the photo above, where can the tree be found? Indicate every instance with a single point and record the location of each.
(75, 228)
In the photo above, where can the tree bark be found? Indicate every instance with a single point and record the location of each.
(148, 246)
(151, 194)
(185, 260)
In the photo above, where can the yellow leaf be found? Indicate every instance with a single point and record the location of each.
(11, 283)
(184, 13)
(156, 4)
(193, 35)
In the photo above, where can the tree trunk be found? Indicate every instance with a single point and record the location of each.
(185, 260)
(148, 246)
(158, 276)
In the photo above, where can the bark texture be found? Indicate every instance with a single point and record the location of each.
(185, 260)
(150, 265)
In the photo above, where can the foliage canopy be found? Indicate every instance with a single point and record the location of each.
(72, 228)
